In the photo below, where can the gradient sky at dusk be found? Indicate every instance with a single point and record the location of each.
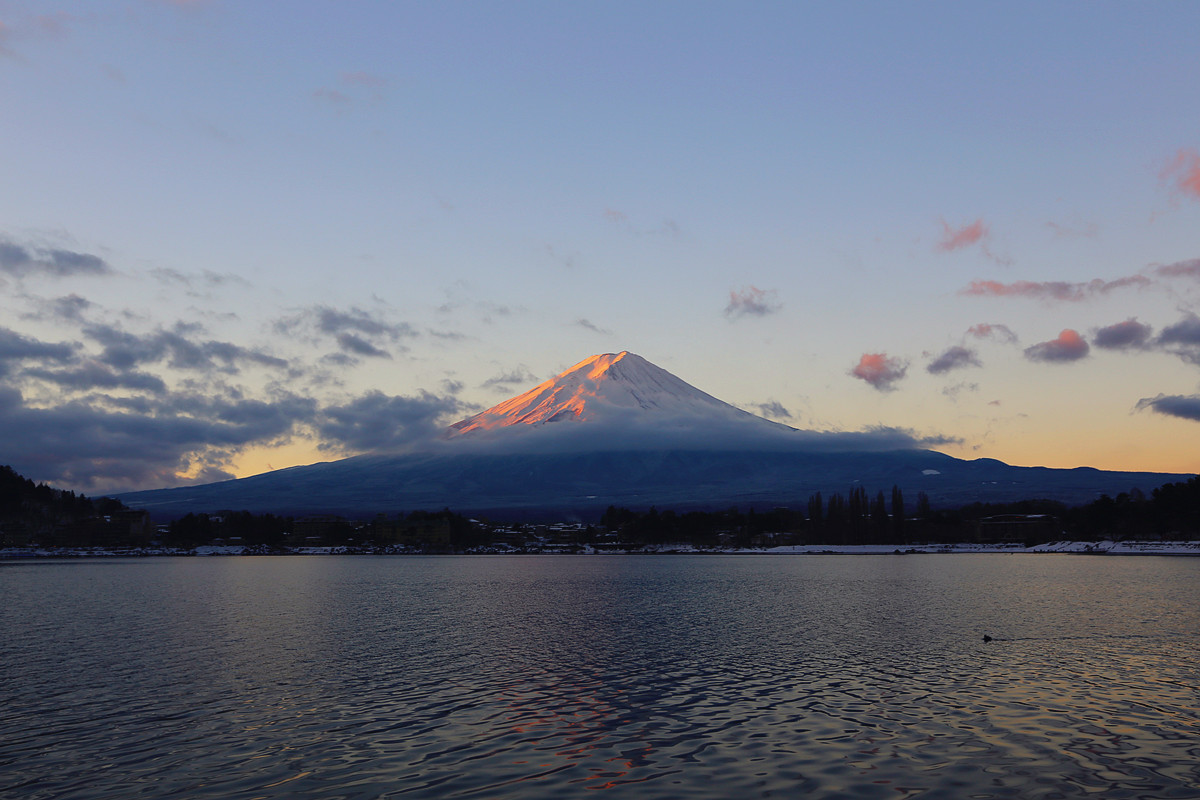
(237, 236)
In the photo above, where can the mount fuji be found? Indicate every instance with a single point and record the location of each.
(617, 430)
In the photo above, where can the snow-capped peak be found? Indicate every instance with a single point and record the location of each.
(610, 388)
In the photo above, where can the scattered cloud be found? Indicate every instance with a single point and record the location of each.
(1182, 338)
(1088, 229)
(1069, 346)
(1180, 269)
(964, 236)
(1126, 335)
(124, 350)
(584, 323)
(93, 374)
(355, 344)
(987, 330)
(506, 380)
(21, 260)
(880, 370)
(355, 331)
(16, 347)
(354, 85)
(331, 96)
(954, 391)
(363, 79)
(1182, 173)
(1182, 406)
(751, 301)
(954, 358)
(1053, 290)
(773, 410)
(378, 423)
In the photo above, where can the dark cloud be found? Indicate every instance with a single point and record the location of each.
(1182, 338)
(92, 374)
(954, 358)
(16, 347)
(85, 444)
(986, 330)
(125, 350)
(377, 422)
(1126, 335)
(19, 261)
(352, 343)
(751, 301)
(880, 370)
(1069, 346)
(1053, 290)
(1182, 406)
(1186, 332)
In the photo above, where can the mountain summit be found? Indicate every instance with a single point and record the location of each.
(625, 402)
(606, 388)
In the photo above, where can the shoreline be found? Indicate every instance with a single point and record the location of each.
(1104, 547)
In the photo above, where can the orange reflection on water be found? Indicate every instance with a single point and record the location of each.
(574, 724)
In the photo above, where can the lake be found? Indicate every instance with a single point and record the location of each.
(559, 676)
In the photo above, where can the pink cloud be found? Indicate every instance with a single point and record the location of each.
(986, 330)
(958, 238)
(1183, 171)
(1069, 346)
(1052, 290)
(331, 96)
(364, 79)
(753, 301)
(880, 370)
(1180, 269)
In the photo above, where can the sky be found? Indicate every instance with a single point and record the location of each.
(242, 236)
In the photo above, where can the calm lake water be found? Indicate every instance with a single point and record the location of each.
(559, 676)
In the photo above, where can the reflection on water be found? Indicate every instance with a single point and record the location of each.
(557, 676)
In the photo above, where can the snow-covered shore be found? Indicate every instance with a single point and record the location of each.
(1137, 548)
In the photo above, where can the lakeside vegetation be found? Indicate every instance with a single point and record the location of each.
(37, 515)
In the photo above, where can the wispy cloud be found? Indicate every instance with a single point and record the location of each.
(355, 330)
(1069, 346)
(751, 301)
(1127, 335)
(1062, 291)
(954, 358)
(518, 376)
(1180, 269)
(773, 410)
(589, 325)
(376, 422)
(963, 236)
(1182, 173)
(988, 330)
(1087, 229)
(880, 370)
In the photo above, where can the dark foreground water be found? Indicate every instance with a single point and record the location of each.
(556, 676)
